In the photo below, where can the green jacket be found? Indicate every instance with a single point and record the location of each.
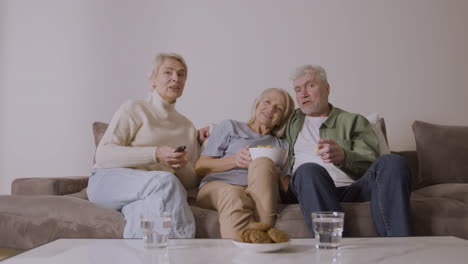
(352, 132)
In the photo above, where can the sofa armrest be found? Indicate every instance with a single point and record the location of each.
(48, 186)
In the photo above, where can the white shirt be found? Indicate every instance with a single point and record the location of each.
(305, 150)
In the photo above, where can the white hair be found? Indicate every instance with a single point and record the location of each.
(316, 70)
(162, 57)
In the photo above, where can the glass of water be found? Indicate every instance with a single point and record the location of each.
(328, 229)
(156, 229)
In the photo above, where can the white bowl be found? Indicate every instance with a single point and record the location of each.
(277, 155)
(267, 247)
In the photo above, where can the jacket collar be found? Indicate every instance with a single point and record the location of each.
(331, 119)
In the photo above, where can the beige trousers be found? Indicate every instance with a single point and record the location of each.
(238, 205)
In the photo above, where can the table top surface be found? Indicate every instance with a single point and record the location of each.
(353, 250)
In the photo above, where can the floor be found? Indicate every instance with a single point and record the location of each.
(4, 253)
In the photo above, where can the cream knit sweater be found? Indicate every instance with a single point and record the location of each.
(138, 128)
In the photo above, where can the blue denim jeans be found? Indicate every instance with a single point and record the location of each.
(135, 191)
(386, 184)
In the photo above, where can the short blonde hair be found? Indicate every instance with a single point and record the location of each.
(316, 70)
(278, 130)
(161, 58)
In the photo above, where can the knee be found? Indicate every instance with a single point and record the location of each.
(397, 164)
(233, 197)
(393, 161)
(230, 194)
(310, 173)
(169, 179)
(262, 162)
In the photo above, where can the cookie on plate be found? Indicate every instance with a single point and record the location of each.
(277, 235)
(244, 236)
(254, 236)
(259, 226)
(258, 236)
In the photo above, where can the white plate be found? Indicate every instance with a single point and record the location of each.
(258, 247)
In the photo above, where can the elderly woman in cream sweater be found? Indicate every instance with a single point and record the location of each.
(137, 166)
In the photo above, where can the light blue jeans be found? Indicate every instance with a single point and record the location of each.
(134, 191)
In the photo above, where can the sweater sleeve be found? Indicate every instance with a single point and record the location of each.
(114, 150)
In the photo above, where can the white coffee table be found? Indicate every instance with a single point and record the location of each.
(425, 250)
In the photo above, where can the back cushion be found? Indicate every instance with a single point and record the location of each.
(378, 125)
(442, 153)
(99, 128)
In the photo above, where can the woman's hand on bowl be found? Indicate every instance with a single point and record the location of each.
(167, 154)
(242, 158)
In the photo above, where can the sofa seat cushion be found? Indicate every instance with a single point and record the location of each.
(441, 209)
(29, 221)
(453, 191)
(291, 221)
(358, 220)
(207, 222)
(83, 194)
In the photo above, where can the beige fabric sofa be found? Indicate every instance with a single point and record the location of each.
(44, 209)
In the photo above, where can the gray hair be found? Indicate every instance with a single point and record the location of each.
(278, 130)
(316, 70)
(162, 57)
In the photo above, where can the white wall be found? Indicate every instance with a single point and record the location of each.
(65, 64)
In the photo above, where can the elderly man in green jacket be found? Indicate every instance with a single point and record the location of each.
(334, 158)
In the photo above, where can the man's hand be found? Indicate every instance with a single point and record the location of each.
(166, 154)
(203, 134)
(330, 151)
(242, 158)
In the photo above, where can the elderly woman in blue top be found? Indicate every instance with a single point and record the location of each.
(242, 190)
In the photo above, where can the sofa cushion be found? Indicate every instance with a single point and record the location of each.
(207, 222)
(358, 221)
(441, 153)
(291, 221)
(450, 191)
(441, 210)
(378, 125)
(83, 194)
(99, 128)
(48, 186)
(29, 221)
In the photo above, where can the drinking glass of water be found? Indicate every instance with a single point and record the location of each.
(328, 229)
(156, 229)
